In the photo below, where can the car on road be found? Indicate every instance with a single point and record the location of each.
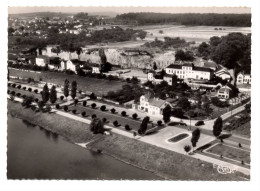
(199, 123)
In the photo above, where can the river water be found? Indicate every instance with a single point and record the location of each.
(35, 153)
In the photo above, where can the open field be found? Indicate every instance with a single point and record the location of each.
(231, 152)
(98, 86)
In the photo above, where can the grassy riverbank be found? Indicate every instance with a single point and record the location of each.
(162, 162)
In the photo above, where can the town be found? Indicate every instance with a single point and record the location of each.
(135, 87)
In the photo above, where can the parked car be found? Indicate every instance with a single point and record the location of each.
(199, 123)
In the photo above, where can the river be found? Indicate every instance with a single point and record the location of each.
(35, 153)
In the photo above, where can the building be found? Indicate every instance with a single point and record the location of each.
(41, 61)
(151, 105)
(224, 92)
(96, 69)
(223, 73)
(189, 71)
(73, 65)
(168, 78)
(150, 76)
(243, 78)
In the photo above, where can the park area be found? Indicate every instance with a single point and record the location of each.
(110, 117)
(98, 86)
(231, 152)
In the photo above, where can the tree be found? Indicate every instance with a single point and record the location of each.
(10, 31)
(191, 114)
(97, 126)
(187, 148)
(217, 127)
(167, 113)
(248, 108)
(154, 66)
(143, 126)
(113, 110)
(134, 116)
(41, 105)
(195, 137)
(184, 103)
(123, 113)
(103, 108)
(73, 89)
(66, 88)
(53, 95)
(45, 93)
(184, 56)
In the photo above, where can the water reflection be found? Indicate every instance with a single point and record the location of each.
(38, 153)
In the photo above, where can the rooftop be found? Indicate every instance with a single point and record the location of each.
(157, 102)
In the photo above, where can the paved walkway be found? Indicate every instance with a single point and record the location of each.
(160, 139)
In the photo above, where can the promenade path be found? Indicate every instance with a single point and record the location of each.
(160, 139)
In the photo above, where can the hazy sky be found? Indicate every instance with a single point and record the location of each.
(12, 10)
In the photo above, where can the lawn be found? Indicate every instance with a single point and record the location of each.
(231, 152)
(239, 124)
(122, 121)
(98, 86)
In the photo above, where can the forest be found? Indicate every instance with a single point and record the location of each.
(194, 19)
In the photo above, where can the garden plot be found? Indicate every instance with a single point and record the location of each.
(230, 152)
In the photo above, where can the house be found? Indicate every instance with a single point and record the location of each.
(243, 78)
(168, 78)
(223, 73)
(225, 92)
(96, 69)
(189, 71)
(73, 65)
(150, 76)
(41, 60)
(151, 105)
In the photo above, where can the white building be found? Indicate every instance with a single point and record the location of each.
(72, 65)
(96, 69)
(189, 71)
(224, 92)
(41, 61)
(243, 78)
(151, 105)
(150, 76)
(223, 73)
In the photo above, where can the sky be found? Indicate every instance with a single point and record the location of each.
(13, 10)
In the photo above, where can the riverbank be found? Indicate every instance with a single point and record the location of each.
(162, 162)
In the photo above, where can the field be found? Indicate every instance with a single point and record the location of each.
(231, 152)
(98, 86)
(191, 33)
